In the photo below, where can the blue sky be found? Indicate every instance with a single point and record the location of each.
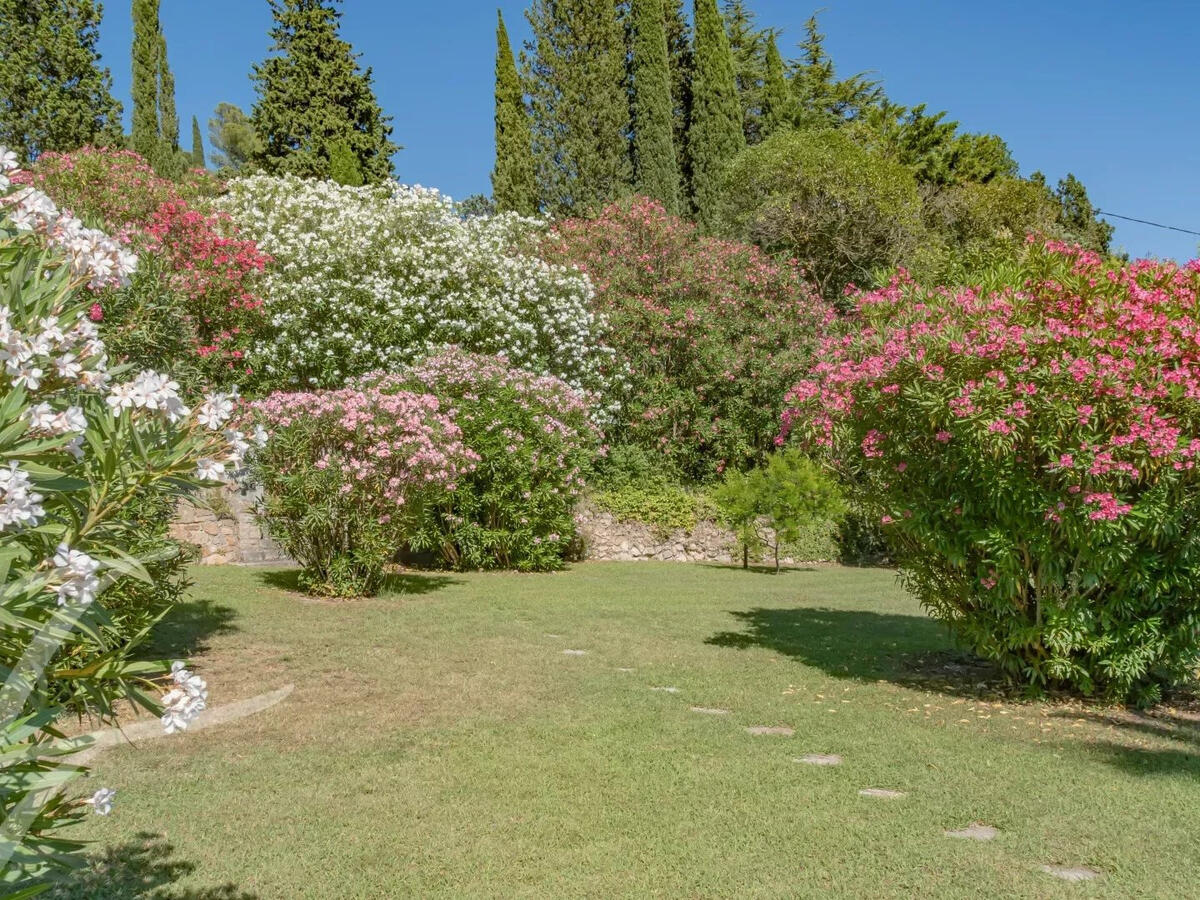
(1103, 88)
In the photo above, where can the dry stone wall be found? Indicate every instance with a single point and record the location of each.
(221, 523)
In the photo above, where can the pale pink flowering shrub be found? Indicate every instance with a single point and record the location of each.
(1031, 449)
(535, 442)
(347, 476)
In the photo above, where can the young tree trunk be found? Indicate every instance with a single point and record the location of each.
(745, 556)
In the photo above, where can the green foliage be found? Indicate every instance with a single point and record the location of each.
(779, 503)
(1078, 217)
(514, 177)
(823, 101)
(312, 94)
(343, 165)
(234, 141)
(818, 197)
(54, 95)
(748, 47)
(197, 146)
(574, 70)
(168, 117)
(656, 168)
(715, 133)
(681, 62)
(146, 71)
(666, 507)
(778, 104)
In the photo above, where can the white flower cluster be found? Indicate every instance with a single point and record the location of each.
(152, 391)
(101, 802)
(20, 505)
(74, 355)
(185, 701)
(92, 254)
(76, 572)
(373, 278)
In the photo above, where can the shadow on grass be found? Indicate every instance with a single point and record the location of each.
(1168, 743)
(143, 869)
(759, 569)
(867, 646)
(186, 629)
(404, 583)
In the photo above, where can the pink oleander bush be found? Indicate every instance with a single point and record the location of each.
(1031, 450)
(194, 305)
(534, 441)
(347, 476)
(708, 334)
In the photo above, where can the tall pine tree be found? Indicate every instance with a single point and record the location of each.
(145, 77)
(715, 134)
(778, 106)
(575, 78)
(822, 100)
(656, 170)
(168, 118)
(313, 96)
(748, 45)
(197, 145)
(514, 178)
(54, 95)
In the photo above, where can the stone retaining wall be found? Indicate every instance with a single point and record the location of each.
(222, 525)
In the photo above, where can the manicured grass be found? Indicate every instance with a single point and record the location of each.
(439, 743)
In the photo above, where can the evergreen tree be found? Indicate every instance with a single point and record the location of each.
(313, 94)
(682, 62)
(54, 95)
(822, 100)
(655, 166)
(514, 178)
(748, 45)
(146, 54)
(1080, 218)
(575, 69)
(197, 145)
(168, 118)
(343, 165)
(233, 138)
(715, 134)
(778, 107)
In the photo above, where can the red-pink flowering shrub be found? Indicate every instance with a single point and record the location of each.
(534, 440)
(1031, 450)
(346, 477)
(708, 333)
(193, 305)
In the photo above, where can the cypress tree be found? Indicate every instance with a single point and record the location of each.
(54, 95)
(313, 95)
(197, 145)
(748, 46)
(679, 54)
(514, 178)
(575, 69)
(145, 77)
(168, 118)
(655, 166)
(777, 104)
(715, 134)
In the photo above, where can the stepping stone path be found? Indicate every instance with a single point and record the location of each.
(819, 759)
(1072, 873)
(574, 653)
(779, 730)
(709, 711)
(881, 794)
(974, 832)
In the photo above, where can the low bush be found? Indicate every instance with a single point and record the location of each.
(1031, 450)
(347, 476)
(533, 441)
(665, 507)
(707, 335)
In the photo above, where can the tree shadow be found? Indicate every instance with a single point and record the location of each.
(1175, 737)
(867, 646)
(759, 569)
(185, 630)
(406, 583)
(143, 869)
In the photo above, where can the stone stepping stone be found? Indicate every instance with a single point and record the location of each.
(574, 653)
(626, 670)
(666, 690)
(554, 636)
(1072, 873)
(881, 794)
(819, 759)
(710, 711)
(778, 730)
(976, 831)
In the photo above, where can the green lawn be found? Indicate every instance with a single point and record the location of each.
(439, 743)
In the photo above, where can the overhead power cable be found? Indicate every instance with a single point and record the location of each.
(1112, 215)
